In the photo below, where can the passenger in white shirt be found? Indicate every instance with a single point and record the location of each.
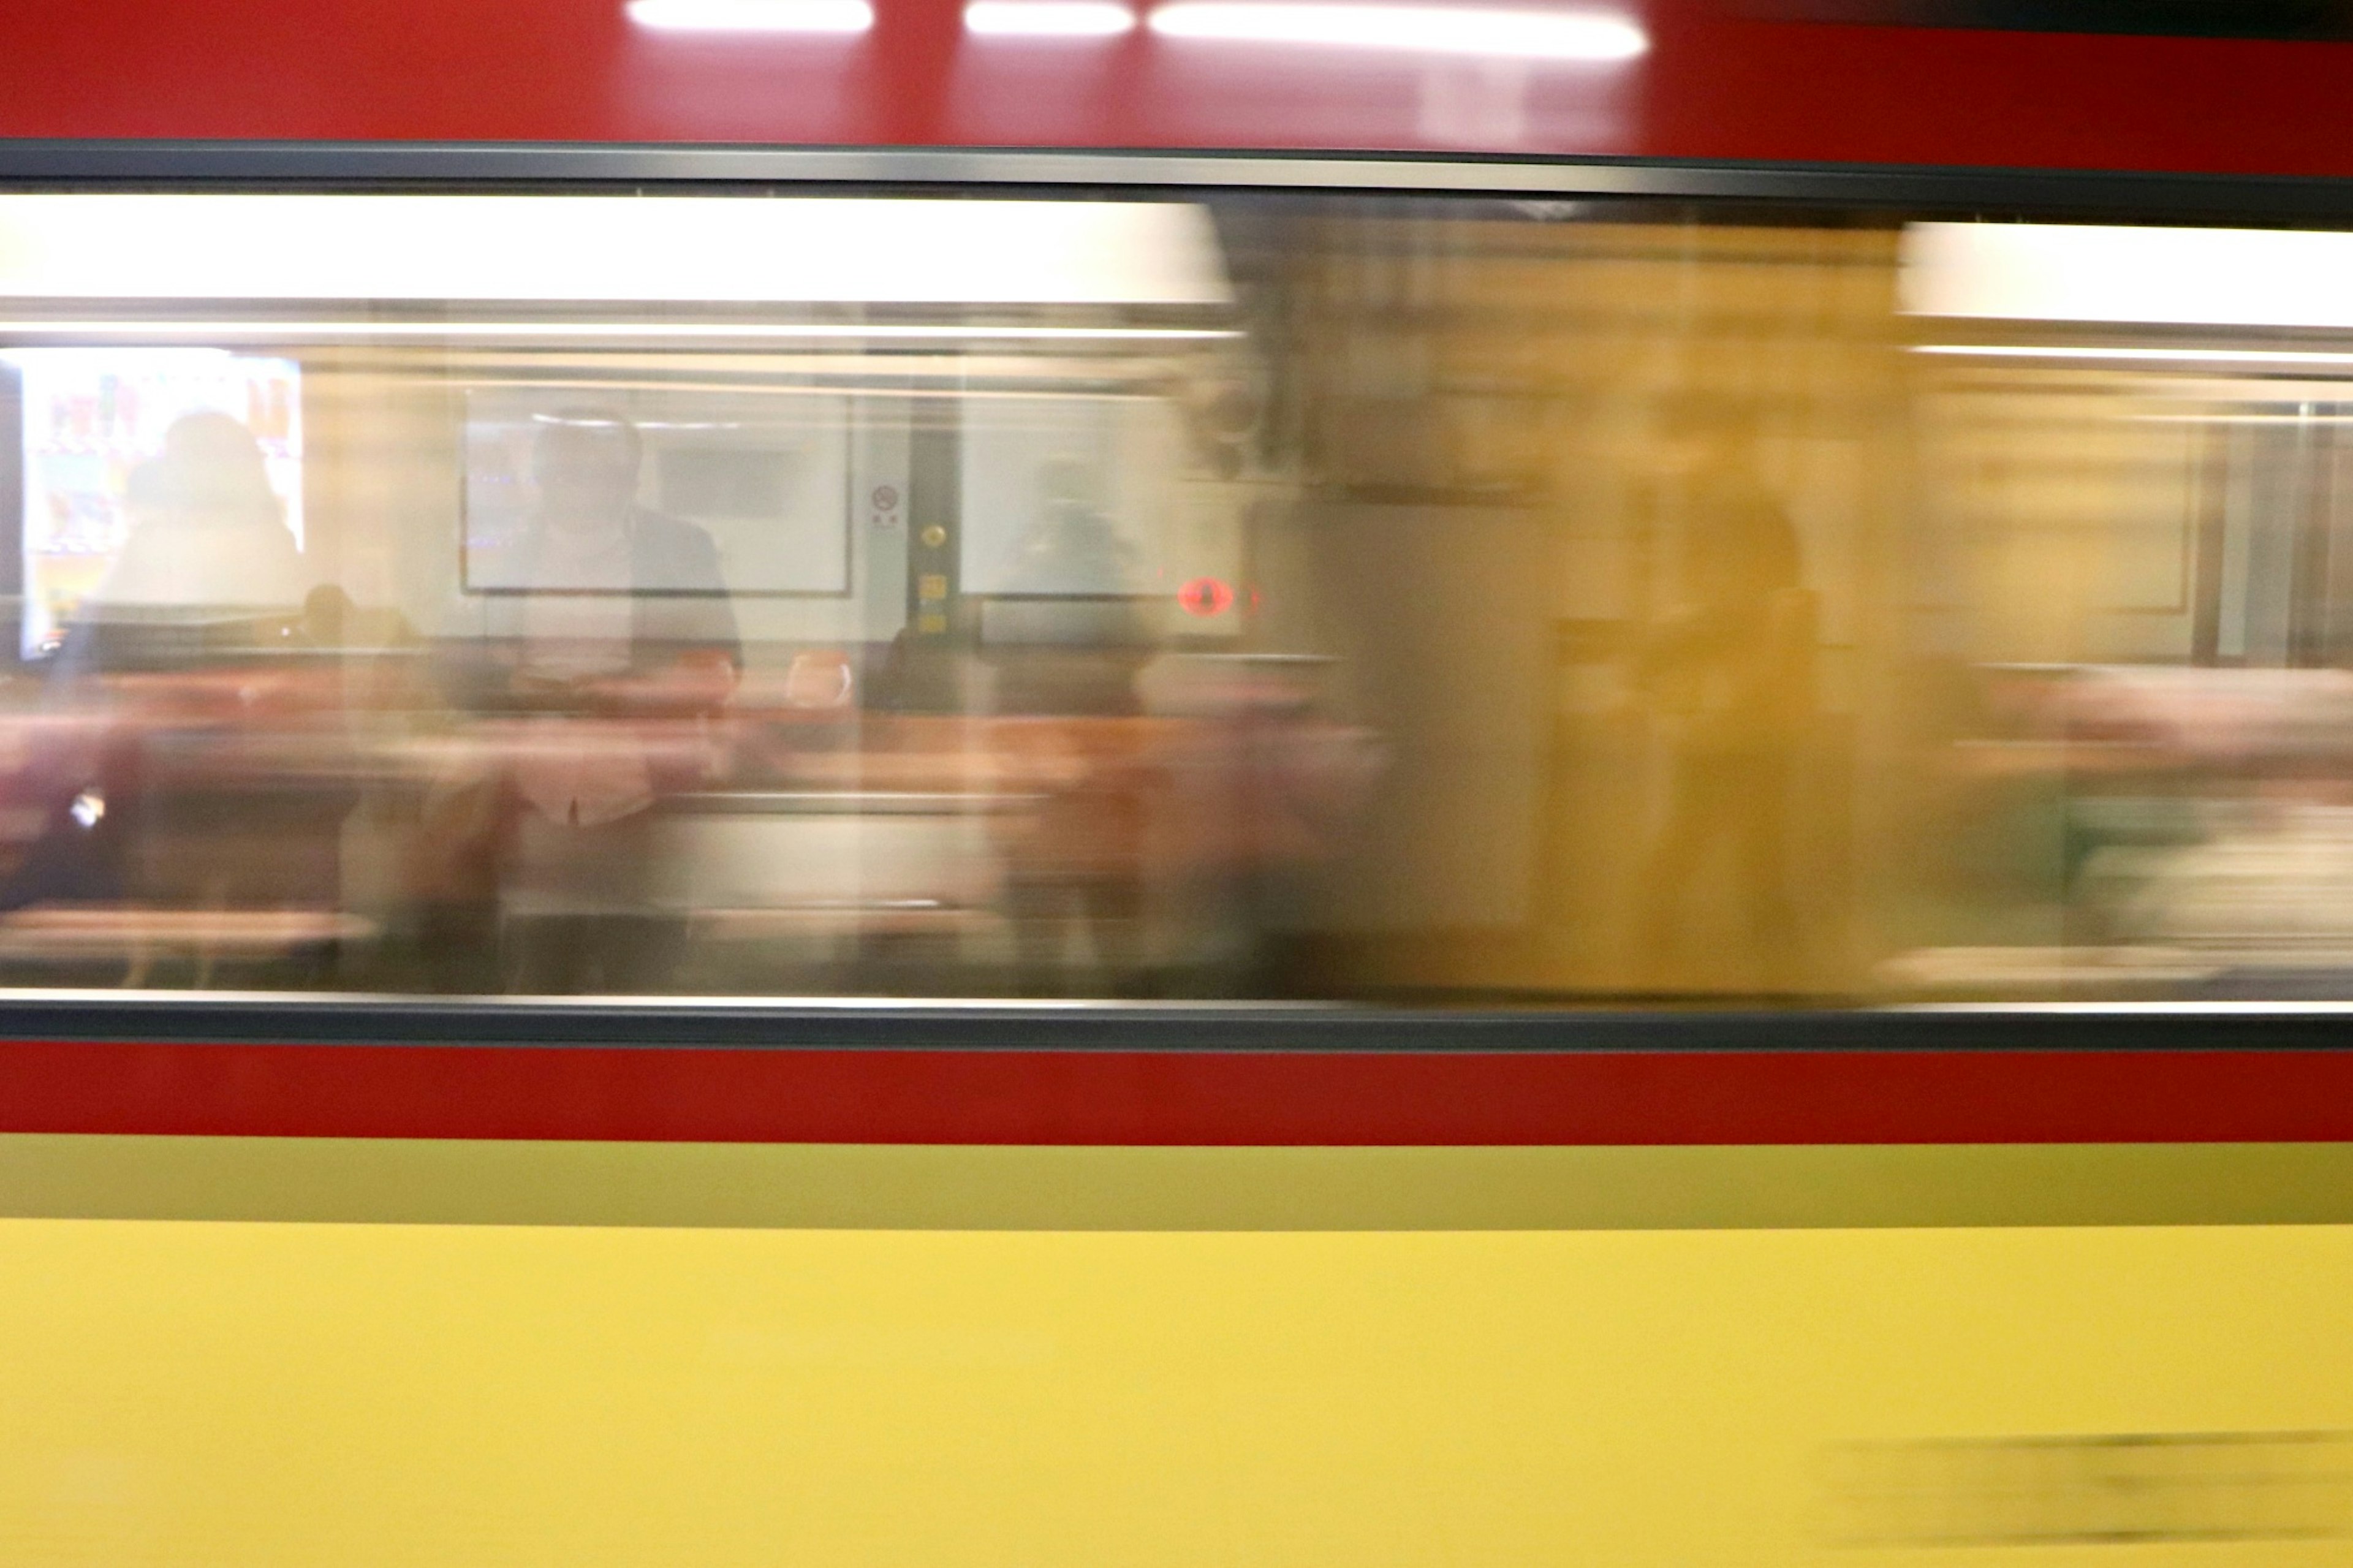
(618, 636)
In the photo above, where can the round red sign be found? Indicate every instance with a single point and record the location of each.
(1205, 596)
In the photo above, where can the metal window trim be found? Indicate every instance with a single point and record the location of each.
(864, 1023)
(2088, 193)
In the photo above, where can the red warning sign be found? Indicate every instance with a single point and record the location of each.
(1205, 597)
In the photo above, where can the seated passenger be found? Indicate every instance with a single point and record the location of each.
(208, 543)
(612, 628)
(600, 600)
(208, 575)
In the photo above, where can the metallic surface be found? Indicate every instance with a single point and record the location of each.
(1964, 187)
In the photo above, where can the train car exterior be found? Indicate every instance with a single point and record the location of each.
(1223, 781)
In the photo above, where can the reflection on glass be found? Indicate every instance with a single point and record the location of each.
(94, 428)
(1728, 673)
(1365, 599)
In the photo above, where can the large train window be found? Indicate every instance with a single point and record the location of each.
(1176, 597)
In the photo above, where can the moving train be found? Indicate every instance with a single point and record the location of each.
(1192, 781)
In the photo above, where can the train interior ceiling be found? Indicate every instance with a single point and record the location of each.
(1266, 597)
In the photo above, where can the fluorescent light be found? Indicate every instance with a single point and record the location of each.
(2105, 272)
(1048, 19)
(1415, 29)
(573, 331)
(2127, 355)
(838, 18)
(2242, 418)
(794, 252)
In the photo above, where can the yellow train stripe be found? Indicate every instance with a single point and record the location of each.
(873, 1186)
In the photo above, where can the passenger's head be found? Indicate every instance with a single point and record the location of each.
(585, 463)
(210, 471)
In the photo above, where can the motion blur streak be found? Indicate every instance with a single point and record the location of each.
(836, 17)
(1416, 29)
(1048, 19)
(2286, 359)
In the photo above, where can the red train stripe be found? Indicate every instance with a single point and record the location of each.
(1172, 1098)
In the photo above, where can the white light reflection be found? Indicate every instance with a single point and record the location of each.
(2105, 272)
(834, 18)
(765, 330)
(2242, 418)
(634, 252)
(1048, 19)
(2123, 355)
(1592, 36)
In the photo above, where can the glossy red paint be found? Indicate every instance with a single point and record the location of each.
(1167, 1098)
(1713, 85)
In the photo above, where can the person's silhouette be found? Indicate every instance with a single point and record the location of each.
(1729, 673)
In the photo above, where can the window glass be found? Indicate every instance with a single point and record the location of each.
(1267, 597)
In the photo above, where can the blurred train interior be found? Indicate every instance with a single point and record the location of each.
(1312, 598)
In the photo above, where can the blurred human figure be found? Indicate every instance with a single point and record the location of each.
(1075, 862)
(207, 567)
(208, 531)
(1083, 657)
(2229, 836)
(1075, 868)
(1259, 788)
(620, 640)
(1072, 547)
(1729, 673)
(619, 606)
(208, 563)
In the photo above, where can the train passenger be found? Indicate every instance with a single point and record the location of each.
(1077, 865)
(1730, 675)
(620, 639)
(209, 533)
(618, 602)
(208, 566)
